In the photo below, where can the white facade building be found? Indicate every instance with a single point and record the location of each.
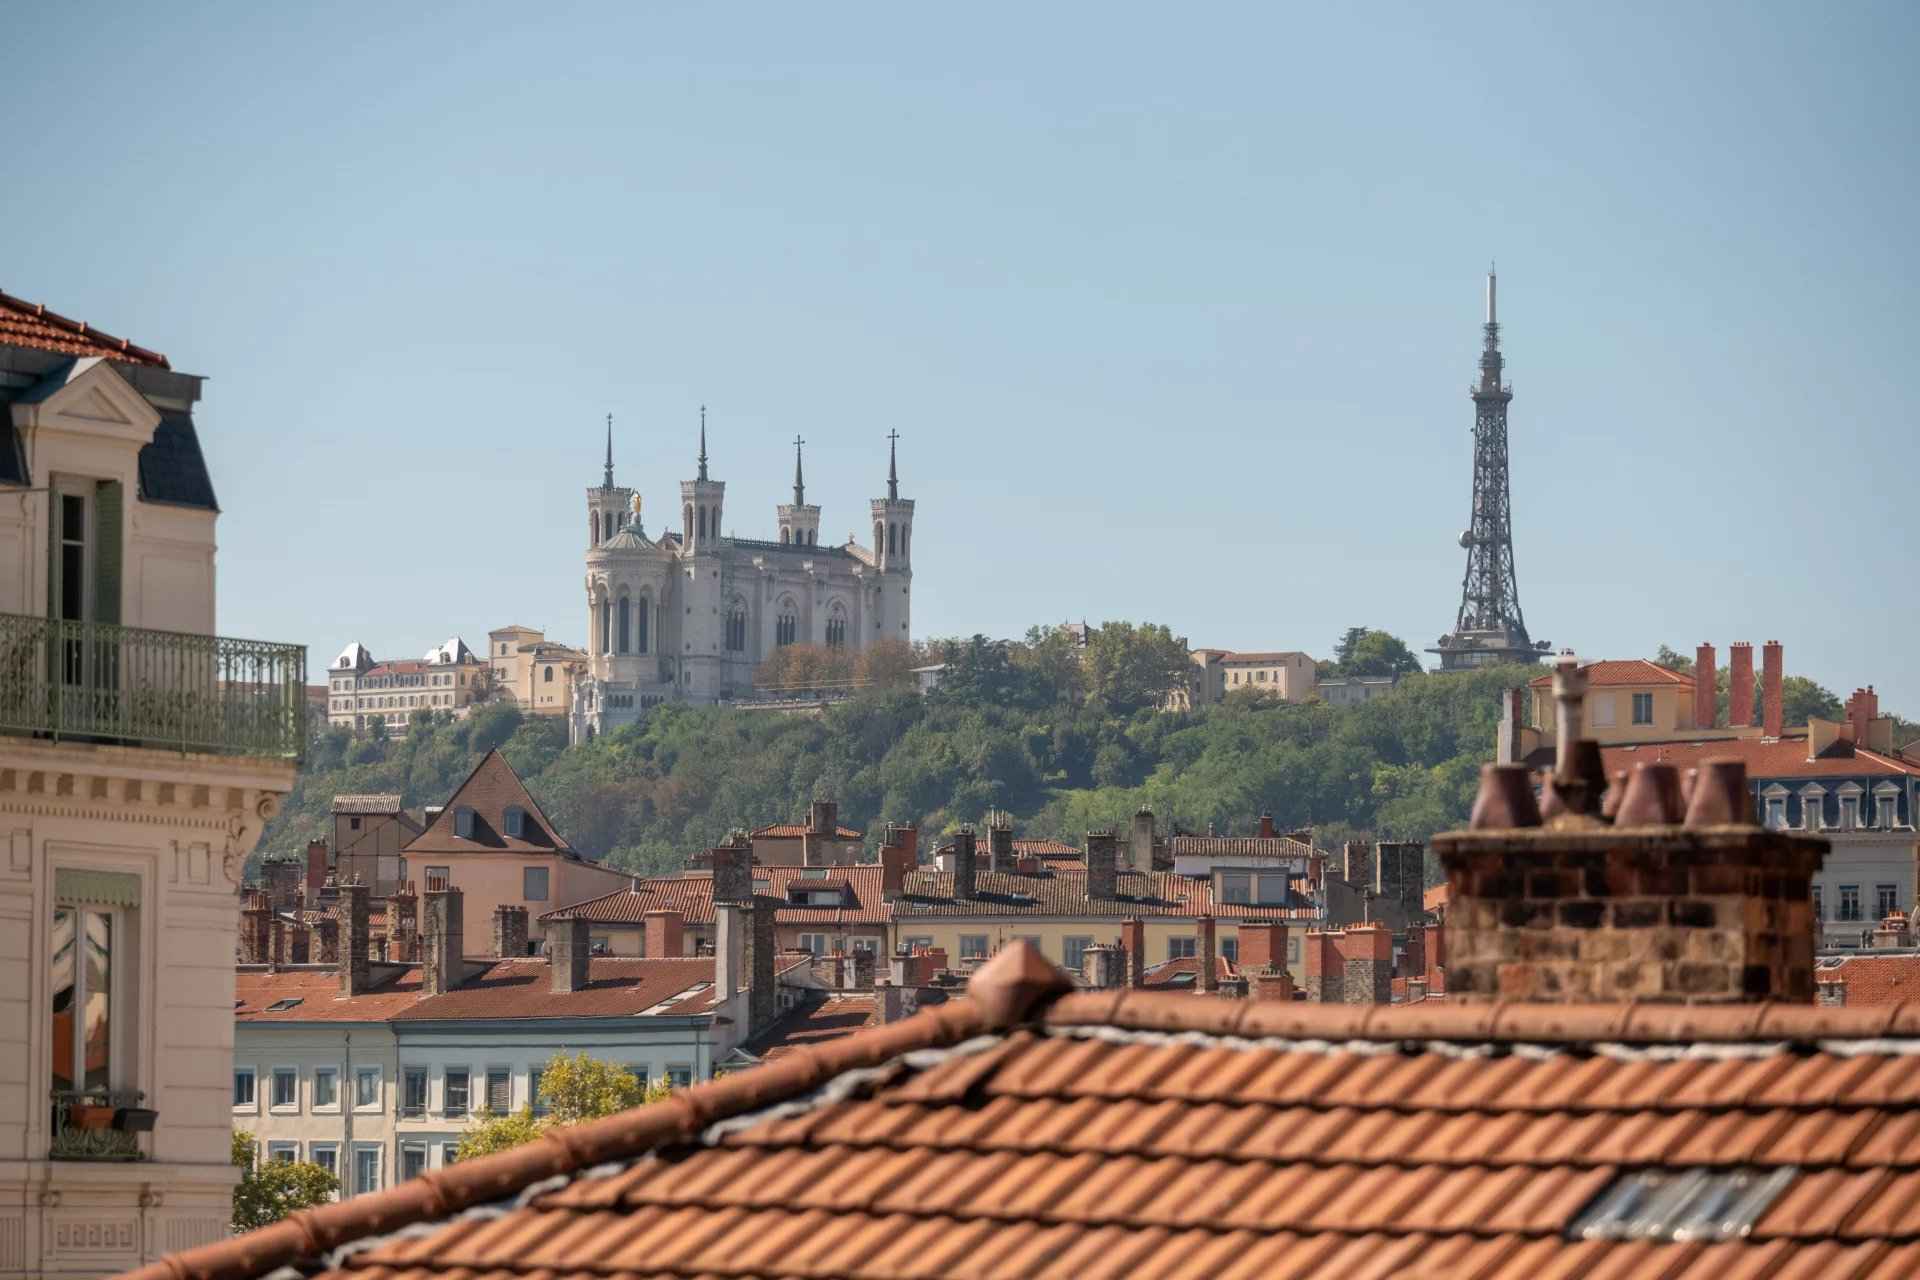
(687, 617)
(140, 757)
(361, 690)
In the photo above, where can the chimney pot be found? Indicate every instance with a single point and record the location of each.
(1652, 797)
(1506, 798)
(1720, 794)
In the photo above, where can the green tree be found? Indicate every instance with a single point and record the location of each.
(1129, 668)
(1364, 652)
(572, 1089)
(269, 1192)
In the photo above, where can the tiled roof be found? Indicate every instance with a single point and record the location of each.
(1184, 973)
(1045, 848)
(820, 1019)
(692, 896)
(794, 830)
(1276, 656)
(1621, 671)
(31, 325)
(1765, 758)
(1239, 847)
(1062, 891)
(1435, 898)
(371, 802)
(489, 790)
(1874, 981)
(618, 987)
(1026, 1132)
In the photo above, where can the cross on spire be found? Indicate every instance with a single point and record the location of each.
(703, 442)
(893, 466)
(799, 481)
(607, 483)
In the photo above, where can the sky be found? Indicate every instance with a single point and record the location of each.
(1174, 307)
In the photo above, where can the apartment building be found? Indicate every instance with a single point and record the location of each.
(141, 755)
(538, 674)
(362, 690)
(819, 841)
(370, 836)
(1286, 674)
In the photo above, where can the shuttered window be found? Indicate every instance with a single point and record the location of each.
(499, 1092)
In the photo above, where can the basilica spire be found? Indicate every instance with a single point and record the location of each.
(799, 480)
(608, 482)
(893, 466)
(703, 442)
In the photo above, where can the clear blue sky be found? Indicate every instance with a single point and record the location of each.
(1174, 308)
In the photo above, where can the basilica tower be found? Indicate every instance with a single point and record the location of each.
(693, 638)
(609, 507)
(892, 552)
(799, 520)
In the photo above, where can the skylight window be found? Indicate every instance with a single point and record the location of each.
(1681, 1205)
(281, 1006)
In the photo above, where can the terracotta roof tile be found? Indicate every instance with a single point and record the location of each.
(692, 896)
(617, 987)
(794, 830)
(1029, 1132)
(1871, 980)
(1622, 671)
(31, 325)
(816, 1021)
(1765, 758)
(1062, 891)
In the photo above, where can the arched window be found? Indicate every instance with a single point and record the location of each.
(703, 524)
(786, 629)
(837, 629)
(606, 626)
(736, 640)
(893, 535)
(549, 675)
(686, 522)
(904, 531)
(786, 535)
(643, 613)
(624, 613)
(876, 537)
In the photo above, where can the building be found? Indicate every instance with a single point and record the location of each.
(538, 674)
(370, 836)
(1352, 691)
(1627, 701)
(375, 1070)
(1489, 628)
(361, 690)
(1564, 1114)
(689, 615)
(819, 841)
(140, 757)
(493, 842)
(1286, 674)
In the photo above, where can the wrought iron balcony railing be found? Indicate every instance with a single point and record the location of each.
(96, 682)
(92, 1124)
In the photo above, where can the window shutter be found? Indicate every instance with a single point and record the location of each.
(107, 505)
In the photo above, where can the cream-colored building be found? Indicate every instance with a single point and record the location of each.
(536, 673)
(362, 690)
(140, 756)
(1289, 675)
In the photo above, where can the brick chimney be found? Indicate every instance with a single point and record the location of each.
(1773, 708)
(1104, 967)
(326, 941)
(1706, 705)
(896, 861)
(1263, 945)
(1140, 840)
(665, 934)
(1894, 931)
(758, 961)
(356, 965)
(733, 870)
(403, 924)
(256, 929)
(1267, 831)
(509, 930)
(1356, 866)
(300, 944)
(1713, 911)
(1207, 951)
(1366, 956)
(441, 964)
(906, 837)
(316, 866)
(1000, 844)
(1740, 684)
(823, 818)
(1326, 972)
(1133, 941)
(1275, 984)
(1863, 708)
(964, 881)
(1102, 871)
(570, 953)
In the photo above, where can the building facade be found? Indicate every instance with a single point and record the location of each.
(538, 674)
(361, 690)
(1286, 674)
(688, 615)
(140, 757)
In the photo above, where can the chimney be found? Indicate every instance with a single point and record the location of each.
(729, 939)
(1104, 967)
(665, 934)
(509, 930)
(733, 870)
(1772, 694)
(326, 940)
(895, 862)
(356, 966)
(277, 947)
(1715, 911)
(1354, 864)
(1263, 945)
(1366, 962)
(758, 955)
(1140, 840)
(1325, 968)
(316, 865)
(1133, 941)
(1740, 685)
(1206, 952)
(1705, 702)
(256, 929)
(908, 838)
(403, 924)
(863, 960)
(1863, 708)
(570, 953)
(1416, 990)
(1266, 827)
(963, 863)
(1272, 985)
(1102, 877)
(1894, 931)
(1507, 740)
(440, 962)
(823, 818)
(1829, 989)
(1000, 844)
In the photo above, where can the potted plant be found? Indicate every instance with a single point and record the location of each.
(135, 1119)
(90, 1115)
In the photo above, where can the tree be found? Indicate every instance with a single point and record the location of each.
(572, 1089)
(269, 1192)
(1672, 661)
(485, 686)
(1130, 668)
(887, 664)
(1364, 652)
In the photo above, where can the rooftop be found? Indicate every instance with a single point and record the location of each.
(370, 802)
(1621, 671)
(31, 325)
(1027, 1132)
(1873, 981)
(692, 896)
(794, 830)
(822, 1017)
(489, 791)
(621, 987)
(1783, 757)
(1061, 890)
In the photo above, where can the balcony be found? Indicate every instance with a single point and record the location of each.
(99, 1124)
(100, 683)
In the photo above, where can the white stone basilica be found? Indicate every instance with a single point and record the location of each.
(688, 616)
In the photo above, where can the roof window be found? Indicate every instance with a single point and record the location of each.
(281, 1006)
(516, 818)
(1669, 1205)
(463, 822)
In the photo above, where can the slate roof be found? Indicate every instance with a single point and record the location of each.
(692, 896)
(1061, 891)
(31, 325)
(489, 790)
(172, 468)
(618, 987)
(1027, 1132)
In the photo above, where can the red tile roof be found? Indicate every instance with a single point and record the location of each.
(371, 802)
(1764, 757)
(1029, 1132)
(489, 790)
(1240, 847)
(1061, 891)
(1874, 981)
(1621, 671)
(1045, 848)
(1184, 973)
(818, 1020)
(692, 896)
(794, 830)
(31, 325)
(617, 987)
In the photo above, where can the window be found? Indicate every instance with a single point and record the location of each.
(326, 1155)
(243, 1096)
(366, 1170)
(1293, 950)
(463, 822)
(641, 1073)
(1074, 952)
(1886, 807)
(1600, 709)
(286, 1089)
(457, 1086)
(1776, 813)
(548, 677)
(1230, 950)
(438, 878)
(1819, 912)
(449, 1154)
(499, 1091)
(283, 1153)
(1885, 901)
(1182, 948)
(1236, 887)
(1849, 812)
(1260, 677)
(1849, 902)
(413, 1159)
(538, 1103)
(679, 1077)
(413, 1092)
(836, 633)
(623, 618)
(80, 947)
(737, 630)
(353, 824)
(516, 821)
(326, 1088)
(786, 629)
(366, 1089)
(973, 946)
(533, 883)
(1643, 708)
(1681, 1205)
(1813, 805)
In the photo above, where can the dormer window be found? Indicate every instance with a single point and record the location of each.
(1774, 799)
(1813, 807)
(1886, 806)
(516, 818)
(463, 822)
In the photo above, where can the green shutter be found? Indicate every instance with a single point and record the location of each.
(53, 552)
(107, 551)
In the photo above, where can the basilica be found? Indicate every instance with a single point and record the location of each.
(689, 614)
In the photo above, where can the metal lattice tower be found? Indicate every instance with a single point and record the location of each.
(1489, 627)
